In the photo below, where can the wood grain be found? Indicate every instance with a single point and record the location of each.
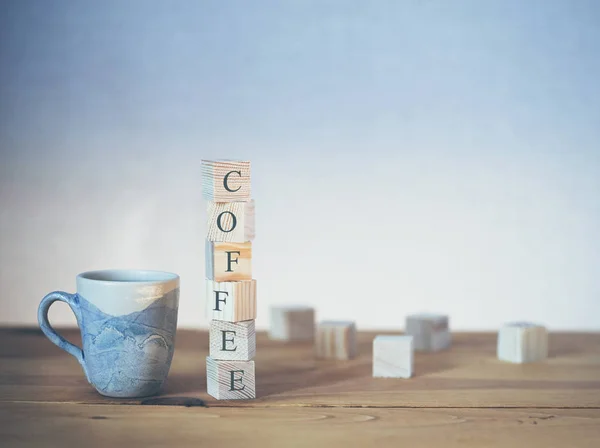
(213, 180)
(335, 340)
(230, 221)
(292, 323)
(522, 342)
(232, 341)
(66, 425)
(466, 375)
(230, 301)
(230, 380)
(227, 262)
(430, 332)
(393, 356)
(463, 397)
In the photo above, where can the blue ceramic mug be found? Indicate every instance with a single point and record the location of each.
(128, 321)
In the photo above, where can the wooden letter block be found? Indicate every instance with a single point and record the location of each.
(232, 341)
(336, 340)
(292, 323)
(430, 332)
(522, 342)
(226, 180)
(392, 356)
(230, 380)
(231, 221)
(231, 301)
(226, 262)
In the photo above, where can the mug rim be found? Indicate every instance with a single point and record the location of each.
(128, 276)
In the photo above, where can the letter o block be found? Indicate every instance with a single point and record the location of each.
(522, 342)
(232, 341)
(230, 380)
(226, 180)
(231, 221)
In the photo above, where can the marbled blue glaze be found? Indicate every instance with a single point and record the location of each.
(129, 355)
(125, 355)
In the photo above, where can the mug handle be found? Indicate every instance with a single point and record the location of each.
(73, 301)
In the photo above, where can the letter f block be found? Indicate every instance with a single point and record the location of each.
(231, 301)
(228, 262)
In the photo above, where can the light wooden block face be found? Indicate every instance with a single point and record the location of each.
(292, 323)
(230, 380)
(430, 332)
(226, 180)
(227, 262)
(231, 301)
(336, 340)
(232, 341)
(231, 221)
(393, 356)
(522, 342)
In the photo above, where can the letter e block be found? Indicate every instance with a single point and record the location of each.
(231, 221)
(232, 341)
(393, 356)
(429, 331)
(226, 262)
(231, 301)
(226, 180)
(522, 342)
(230, 380)
(292, 323)
(336, 340)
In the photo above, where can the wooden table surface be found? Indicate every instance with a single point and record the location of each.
(461, 397)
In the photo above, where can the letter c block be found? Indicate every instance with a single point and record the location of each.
(226, 180)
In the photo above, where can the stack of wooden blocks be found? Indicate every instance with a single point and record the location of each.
(230, 288)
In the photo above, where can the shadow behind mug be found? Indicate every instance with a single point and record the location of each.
(128, 321)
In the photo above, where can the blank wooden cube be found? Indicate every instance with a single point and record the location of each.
(226, 180)
(230, 380)
(230, 221)
(231, 301)
(522, 342)
(292, 323)
(232, 340)
(430, 332)
(226, 262)
(392, 356)
(336, 340)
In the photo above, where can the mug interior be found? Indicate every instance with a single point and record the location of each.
(129, 276)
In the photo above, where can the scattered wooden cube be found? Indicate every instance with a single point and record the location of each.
(231, 221)
(392, 356)
(226, 262)
(232, 341)
(336, 340)
(292, 323)
(430, 332)
(230, 380)
(521, 342)
(226, 180)
(231, 301)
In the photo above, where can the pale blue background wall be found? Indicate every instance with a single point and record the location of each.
(407, 155)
